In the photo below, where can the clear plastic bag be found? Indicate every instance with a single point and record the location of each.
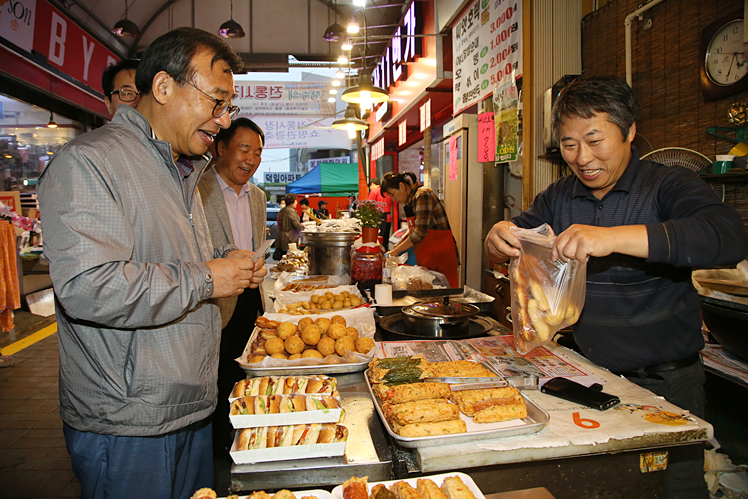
(546, 295)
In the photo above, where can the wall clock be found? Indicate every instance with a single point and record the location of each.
(723, 58)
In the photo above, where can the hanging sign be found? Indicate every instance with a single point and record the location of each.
(487, 45)
(453, 156)
(274, 98)
(286, 132)
(505, 105)
(282, 177)
(338, 159)
(377, 149)
(486, 138)
(402, 132)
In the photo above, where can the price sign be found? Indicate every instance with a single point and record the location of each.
(486, 138)
(453, 149)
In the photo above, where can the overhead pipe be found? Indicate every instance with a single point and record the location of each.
(627, 23)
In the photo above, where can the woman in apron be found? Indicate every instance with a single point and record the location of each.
(430, 234)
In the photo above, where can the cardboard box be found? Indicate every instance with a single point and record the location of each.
(12, 199)
(287, 418)
(289, 453)
(31, 213)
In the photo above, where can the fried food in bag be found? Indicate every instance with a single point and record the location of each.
(546, 295)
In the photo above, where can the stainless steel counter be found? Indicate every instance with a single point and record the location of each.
(366, 453)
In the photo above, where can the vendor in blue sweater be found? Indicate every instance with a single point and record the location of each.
(642, 227)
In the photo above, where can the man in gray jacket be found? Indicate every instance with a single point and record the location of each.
(133, 270)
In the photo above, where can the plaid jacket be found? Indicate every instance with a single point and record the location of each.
(429, 213)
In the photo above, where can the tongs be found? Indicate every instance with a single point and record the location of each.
(459, 383)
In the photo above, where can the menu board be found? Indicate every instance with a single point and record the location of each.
(487, 45)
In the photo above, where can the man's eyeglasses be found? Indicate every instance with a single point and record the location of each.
(221, 105)
(126, 95)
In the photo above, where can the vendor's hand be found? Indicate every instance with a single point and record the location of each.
(501, 244)
(230, 275)
(580, 242)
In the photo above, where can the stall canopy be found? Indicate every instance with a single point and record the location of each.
(331, 179)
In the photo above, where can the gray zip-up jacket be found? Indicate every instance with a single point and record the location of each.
(138, 338)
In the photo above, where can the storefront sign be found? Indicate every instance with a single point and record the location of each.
(283, 98)
(37, 25)
(384, 112)
(486, 138)
(282, 177)
(487, 45)
(339, 159)
(285, 132)
(377, 149)
(402, 132)
(403, 48)
(426, 115)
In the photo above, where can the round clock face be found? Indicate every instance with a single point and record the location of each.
(726, 57)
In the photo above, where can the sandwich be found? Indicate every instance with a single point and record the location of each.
(295, 385)
(280, 436)
(321, 384)
(421, 411)
(410, 392)
(242, 406)
(429, 490)
(331, 433)
(283, 403)
(306, 434)
(262, 404)
(430, 429)
(251, 439)
(321, 403)
(454, 488)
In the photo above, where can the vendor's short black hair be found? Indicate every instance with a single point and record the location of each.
(589, 95)
(304, 201)
(173, 52)
(111, 72)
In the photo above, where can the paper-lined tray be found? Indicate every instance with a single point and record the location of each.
(337, 492)
(300, 494)
(535, 421)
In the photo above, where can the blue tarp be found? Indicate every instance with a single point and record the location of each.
(339, 179)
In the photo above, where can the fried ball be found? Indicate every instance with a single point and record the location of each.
(338, 319)
(352, 333)
(305, 322)
(294, 356)
(257, 358)
(347, 303)
(314, 299)
(336, 331)
(278, 356)
(326, 346)
(294, 344)
(274, 345)
(311, 353)
(323, 323)
(286, 329)
(337, 305)
(329, 295)
(325, 305)
(363, 345)
(310, 334)
(355, 301)
(343, 344)
(346, 294)
(339, 297)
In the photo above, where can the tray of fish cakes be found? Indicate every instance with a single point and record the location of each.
(419, 411)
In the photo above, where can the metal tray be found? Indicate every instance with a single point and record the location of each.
(535, 421)
(298, 370)
(337, 492)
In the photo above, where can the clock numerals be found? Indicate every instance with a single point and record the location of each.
(730, 66)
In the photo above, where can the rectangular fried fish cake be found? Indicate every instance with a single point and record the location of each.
(421, 411)
(459, 368)
(504, 412)
(400, 394)
(455, 488)
(466, 399)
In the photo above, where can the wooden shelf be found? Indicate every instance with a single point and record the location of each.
(726, 178)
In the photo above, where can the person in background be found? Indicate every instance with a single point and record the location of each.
(282, 203)
(641, 227)
(289, 227)
(430, 234)
(133, 271)
(305, 209)
(118, 83)
(322, 212)
(236, 211)
(376, 194)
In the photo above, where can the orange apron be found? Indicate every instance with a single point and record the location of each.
(437, 252)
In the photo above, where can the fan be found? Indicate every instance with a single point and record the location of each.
(694, 161)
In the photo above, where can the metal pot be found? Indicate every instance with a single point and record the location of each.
(330, 252)
(727, 322)
(430, 317)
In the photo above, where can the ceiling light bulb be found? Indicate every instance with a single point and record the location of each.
(353, 28)
(351, 131)
(339, 74)
(347, 46)
(359, 3)
(419, 75)
(333, 91)
(335, 83)
(405, 92)
(342, 60)
(365, 95)
(331, 100)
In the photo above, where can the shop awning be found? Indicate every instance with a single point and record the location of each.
(330, 179)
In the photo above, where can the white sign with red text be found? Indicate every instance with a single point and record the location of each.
(283, 98)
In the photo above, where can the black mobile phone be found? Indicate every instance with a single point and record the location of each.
(580, 394)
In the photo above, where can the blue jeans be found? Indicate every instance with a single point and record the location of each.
(168, 466)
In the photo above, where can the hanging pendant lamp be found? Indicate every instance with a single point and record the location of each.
(335, 32)
(365, 91)
(231, 28)
(126, 28)
(351, 122)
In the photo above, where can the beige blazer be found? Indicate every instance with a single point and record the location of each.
(219, 224)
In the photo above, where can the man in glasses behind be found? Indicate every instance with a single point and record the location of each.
(118, 82)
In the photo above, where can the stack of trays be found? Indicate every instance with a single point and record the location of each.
(280, 418)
